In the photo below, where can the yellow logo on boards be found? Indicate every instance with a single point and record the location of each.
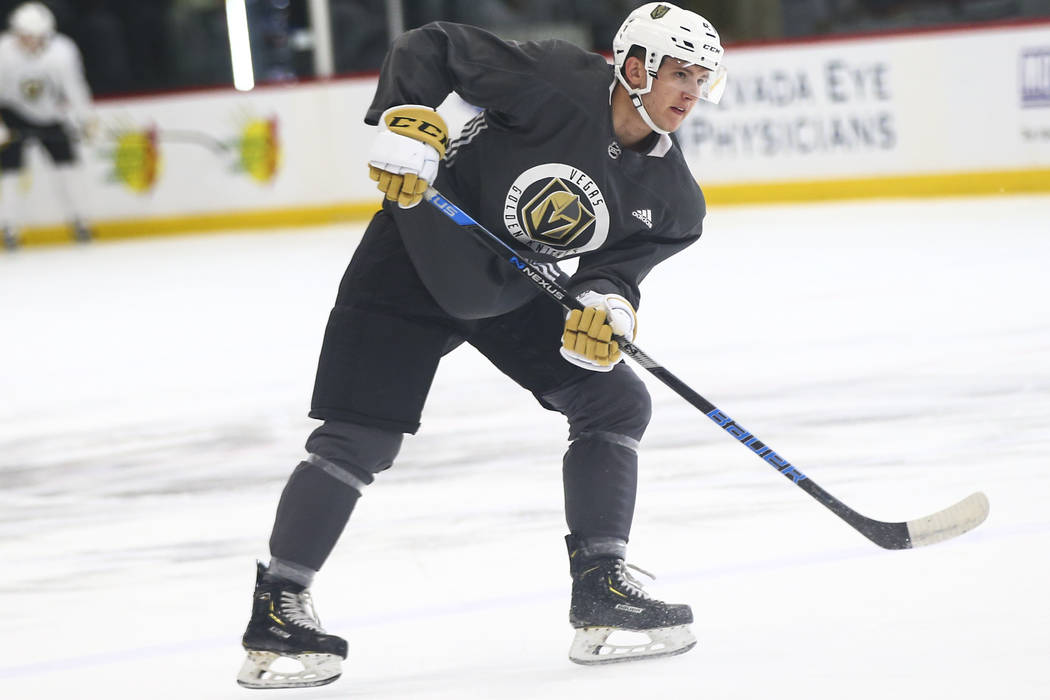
(136, 152)
(136, 160)
(259, 149)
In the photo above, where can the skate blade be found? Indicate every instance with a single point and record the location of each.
(266, 669)
(592, 645)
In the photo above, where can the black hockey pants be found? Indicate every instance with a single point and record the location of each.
(384, 340)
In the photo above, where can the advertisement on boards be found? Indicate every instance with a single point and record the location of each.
(957, 102)
(1033, 71)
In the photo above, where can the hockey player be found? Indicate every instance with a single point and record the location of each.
(43, 97)
(570, 157)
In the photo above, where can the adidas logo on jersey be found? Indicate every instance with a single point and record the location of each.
(645, 216)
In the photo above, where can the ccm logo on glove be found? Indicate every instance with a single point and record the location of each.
(435, 134)
(405, 156)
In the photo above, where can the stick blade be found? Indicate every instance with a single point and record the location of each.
(950, 522)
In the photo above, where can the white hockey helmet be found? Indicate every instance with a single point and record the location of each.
(32, 19)
(663, 30)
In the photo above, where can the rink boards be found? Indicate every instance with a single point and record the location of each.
(957, 112)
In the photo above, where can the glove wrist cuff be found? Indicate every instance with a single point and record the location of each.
(581, 361)
(419, 123)
(621, 315)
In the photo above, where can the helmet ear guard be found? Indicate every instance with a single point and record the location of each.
(664, 30)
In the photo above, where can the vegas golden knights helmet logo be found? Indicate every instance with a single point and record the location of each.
(659, 11)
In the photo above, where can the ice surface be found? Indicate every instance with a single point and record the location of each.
(153, 397)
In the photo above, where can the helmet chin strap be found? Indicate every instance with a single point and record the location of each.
(636, 99)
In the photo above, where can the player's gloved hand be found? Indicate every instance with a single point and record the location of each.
(587, 341)
(405, 155)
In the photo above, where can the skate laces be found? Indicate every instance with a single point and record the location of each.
(631, 584)
(298, 608)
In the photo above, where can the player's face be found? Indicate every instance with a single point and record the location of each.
(31, 44)
(675, 92)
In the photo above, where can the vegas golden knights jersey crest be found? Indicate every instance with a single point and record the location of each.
(556, 214)
(557, 210)
(32, 89)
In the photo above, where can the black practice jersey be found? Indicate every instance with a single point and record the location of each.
(540, 166)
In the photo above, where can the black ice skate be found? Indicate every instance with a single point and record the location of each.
(81, 233)
(286, 645)
(606, 601)
(10, 238)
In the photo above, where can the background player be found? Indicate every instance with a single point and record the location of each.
(45, 98)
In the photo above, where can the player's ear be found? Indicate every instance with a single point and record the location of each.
(634, 70)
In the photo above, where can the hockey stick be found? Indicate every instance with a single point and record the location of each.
(950, 522)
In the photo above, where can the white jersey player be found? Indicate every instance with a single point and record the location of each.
(43, 97)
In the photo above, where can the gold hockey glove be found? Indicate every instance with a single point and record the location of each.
(587, 339)
(405, 156)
